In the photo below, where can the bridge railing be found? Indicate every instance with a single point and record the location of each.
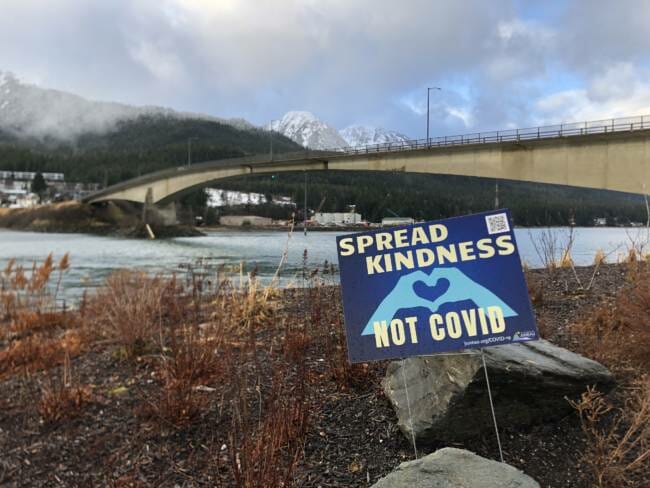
(623, 124)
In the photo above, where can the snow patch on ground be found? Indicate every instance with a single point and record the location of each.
(226, 198)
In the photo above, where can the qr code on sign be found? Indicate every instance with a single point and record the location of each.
(497, 223)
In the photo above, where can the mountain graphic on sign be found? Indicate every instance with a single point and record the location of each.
(419, 289)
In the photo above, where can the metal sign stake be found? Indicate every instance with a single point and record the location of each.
(408, 406)
(494, 417)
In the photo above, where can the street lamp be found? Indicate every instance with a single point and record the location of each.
(271, 136)
(189, 150)
(428, 93)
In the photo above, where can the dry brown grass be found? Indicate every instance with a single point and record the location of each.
(36, 352)
(618, 335)
(188, 368)
(326, 321)
(267, 452)
(618, 451)
(196, 356)
(129, 309)
(223, 349)
(62, 398)
(37, 335)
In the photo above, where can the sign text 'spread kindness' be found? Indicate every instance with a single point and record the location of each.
(433, 287)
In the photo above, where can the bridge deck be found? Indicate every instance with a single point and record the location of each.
(356, 158)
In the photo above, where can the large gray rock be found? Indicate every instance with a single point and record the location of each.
(455, 468)
(448, 395)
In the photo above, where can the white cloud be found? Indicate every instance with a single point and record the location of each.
(346, 61)
(160, 62)
(619, 91)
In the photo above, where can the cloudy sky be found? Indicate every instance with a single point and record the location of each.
(500, 63)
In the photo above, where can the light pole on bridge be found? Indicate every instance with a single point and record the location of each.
(271, 129)
(189, 150)
(428, 104)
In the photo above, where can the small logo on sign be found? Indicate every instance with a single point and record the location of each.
(526, 335)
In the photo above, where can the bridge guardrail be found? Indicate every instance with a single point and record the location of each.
(605, 126)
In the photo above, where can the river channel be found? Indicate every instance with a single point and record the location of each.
(93, 258)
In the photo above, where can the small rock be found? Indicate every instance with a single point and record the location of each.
(455, 468)
(119, 391)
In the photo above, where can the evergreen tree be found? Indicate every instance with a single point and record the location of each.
(39, 185)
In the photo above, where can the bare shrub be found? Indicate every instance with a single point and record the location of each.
(62, 398)
(268, 422)
(618, 333)
(193, 360)
(535, 289)
(326, 322)
(266, 453)
(129, 308)
(195, 357)
(552, 247)
(618, 449)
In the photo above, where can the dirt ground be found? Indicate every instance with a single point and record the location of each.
(352, 438)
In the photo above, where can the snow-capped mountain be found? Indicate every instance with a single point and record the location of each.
(359, 135)
(309, 131)
(30, 111)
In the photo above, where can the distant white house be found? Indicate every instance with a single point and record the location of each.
(391, 221)
(19, 199)
(600, 221)
(337, 218)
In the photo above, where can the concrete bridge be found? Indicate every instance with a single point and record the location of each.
(609, 154)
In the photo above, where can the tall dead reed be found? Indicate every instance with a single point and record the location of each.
(36, 333)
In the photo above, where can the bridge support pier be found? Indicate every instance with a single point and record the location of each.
(158, 214)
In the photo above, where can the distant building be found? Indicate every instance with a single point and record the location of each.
(337, 218)
(600, 221)
(244, 220)
(16, 186)
(22, 176)
(18, 198)
(391, 221)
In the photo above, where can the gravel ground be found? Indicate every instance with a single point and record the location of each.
(352, 439)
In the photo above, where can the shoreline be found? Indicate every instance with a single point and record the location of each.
(78, 218)
(123, 220)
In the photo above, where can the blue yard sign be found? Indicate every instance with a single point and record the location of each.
(433, 287)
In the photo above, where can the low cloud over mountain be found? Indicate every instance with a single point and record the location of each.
(28, 111)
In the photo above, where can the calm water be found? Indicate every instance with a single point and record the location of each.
(93, 258)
